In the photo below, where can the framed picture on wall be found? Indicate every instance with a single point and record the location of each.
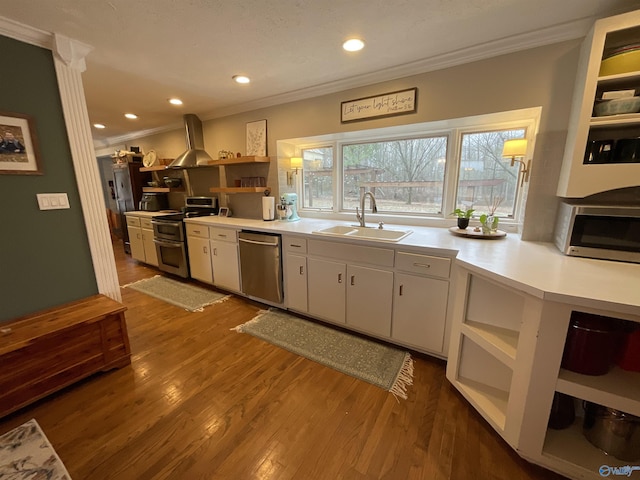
(19, 154)
(257, 138)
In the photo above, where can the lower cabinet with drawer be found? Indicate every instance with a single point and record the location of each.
(420, 298)
(141, 239)
(224, 258)
(392, 294)
(199, 252)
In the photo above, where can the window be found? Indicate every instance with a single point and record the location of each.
(406, 176)
(485, 180)
(419, 173)
(317, 178)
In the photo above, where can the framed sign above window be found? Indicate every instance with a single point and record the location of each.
(19, 154)
(386, 105)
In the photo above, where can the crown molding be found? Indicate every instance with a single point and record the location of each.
(515, 43)
(25, 33)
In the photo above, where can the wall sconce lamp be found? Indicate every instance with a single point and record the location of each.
(518, 148)
(296, 163)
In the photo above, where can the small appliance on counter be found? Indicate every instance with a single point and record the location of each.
(154, 202)
(288, 207)
(268, 208)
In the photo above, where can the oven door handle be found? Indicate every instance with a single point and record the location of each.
(167, 244)
(170, 224)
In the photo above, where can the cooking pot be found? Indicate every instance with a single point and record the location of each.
(172, 182)
(612, 431)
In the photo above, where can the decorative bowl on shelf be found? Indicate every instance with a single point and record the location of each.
(617, 106)
(172, 182)
(622, 60)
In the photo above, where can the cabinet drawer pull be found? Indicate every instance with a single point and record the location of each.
(196, 231)
(222, 236)
(339, 278)
(295, 246)
(353, 279)
(301, 270)
(423, 265)
(215, 252)
(204, 250)
(401, 289)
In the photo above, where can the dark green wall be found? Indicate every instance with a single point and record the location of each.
(44, 255)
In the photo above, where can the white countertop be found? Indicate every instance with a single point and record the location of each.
(538, 269)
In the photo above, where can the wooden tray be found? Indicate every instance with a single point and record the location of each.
(468, 232)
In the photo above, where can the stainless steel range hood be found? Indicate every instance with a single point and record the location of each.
(195, 155)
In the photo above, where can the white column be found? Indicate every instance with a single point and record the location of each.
(69, 64)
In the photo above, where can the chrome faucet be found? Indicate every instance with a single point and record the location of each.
(374, 208)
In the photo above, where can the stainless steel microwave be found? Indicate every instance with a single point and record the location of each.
(599, 231)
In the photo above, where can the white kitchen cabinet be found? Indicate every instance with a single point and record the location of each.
(505, 358)
(419, 311)
(580, 178)
(141, 239)
(199, 253)
(420, 301)
(295, 272)
(369, 299)
(327, 298)
(136, 243)
(224, 258)
(296, 275)
(150, 252)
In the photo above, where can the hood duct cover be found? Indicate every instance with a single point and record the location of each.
(195, 155)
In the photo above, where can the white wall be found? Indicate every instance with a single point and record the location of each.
(542, 76)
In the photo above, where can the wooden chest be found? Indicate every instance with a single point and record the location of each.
(46, 351)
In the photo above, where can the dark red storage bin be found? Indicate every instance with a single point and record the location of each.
(629, 355)
(591, 343)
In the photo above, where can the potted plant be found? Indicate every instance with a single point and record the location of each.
(490, 221)
(463, 217)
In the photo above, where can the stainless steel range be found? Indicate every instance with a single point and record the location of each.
(170, 238)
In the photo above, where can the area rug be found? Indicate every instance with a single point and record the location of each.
(189, 297)
(26, 454)
(379, 364)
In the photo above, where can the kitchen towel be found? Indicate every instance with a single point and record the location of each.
(268, 208)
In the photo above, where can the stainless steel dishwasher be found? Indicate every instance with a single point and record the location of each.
(261, 265)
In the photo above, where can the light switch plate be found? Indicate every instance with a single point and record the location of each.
(52, 201)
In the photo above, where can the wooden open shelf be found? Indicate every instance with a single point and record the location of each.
(162, 189)
(239, 189)
(240, 160)
(155, 168)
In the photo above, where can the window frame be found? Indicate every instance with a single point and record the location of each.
(527, 119)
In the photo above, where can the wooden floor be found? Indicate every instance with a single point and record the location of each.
(200, 401)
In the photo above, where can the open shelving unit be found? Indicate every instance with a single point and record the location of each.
(580, 178)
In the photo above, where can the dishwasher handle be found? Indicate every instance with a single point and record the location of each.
(254, 242)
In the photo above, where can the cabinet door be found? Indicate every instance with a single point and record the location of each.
(419, 311)
(136, 242)
(326, 286)
(150, 254)
(224, 260)
(369, 299)
(200, 259)
(296, 289)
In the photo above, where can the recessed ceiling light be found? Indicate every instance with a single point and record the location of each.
(99, 125)
(241, 79)
(132, 116)
(353, 45)
(175, 101)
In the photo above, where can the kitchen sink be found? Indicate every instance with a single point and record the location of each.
(365, 233)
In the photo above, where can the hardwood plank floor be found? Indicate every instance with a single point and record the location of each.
(200, 401)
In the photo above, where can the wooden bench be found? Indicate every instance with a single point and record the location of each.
(51, 349)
